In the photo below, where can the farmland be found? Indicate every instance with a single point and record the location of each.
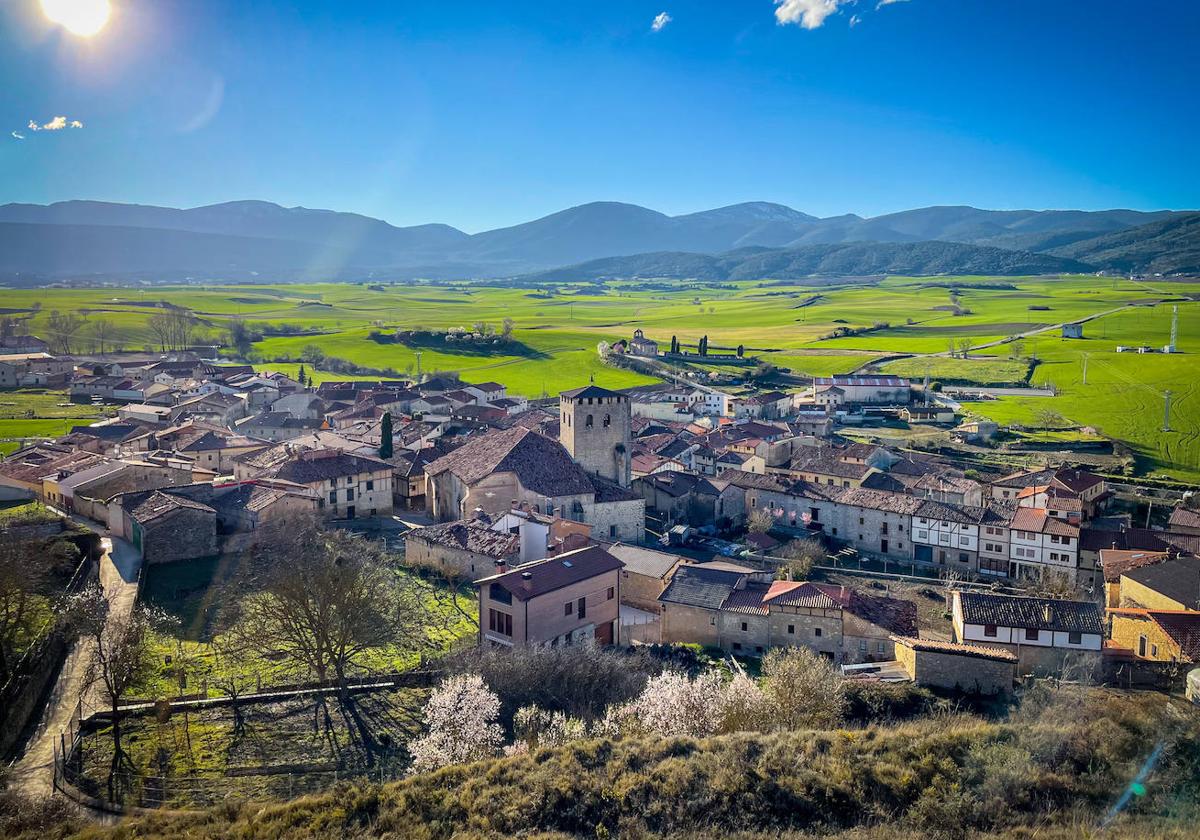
(812, 330)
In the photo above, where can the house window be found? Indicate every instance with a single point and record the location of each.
(964, 541)
(350, 495)
(989, 630)
(1153, 650)
(1141, 645)
(1075, 638)
(500, 622)
(860, 521)
(333, 497)
(612, 530)
(612, 592)
(1031, 634)
(587, 423)
(582, 607)
(737, 645)
(569, 608)
(862, 645)
(880, 647)
(607, 421)
(835, 532)
(791, 629)
(963, 557)
(744, 627)
(817, 632)
(370, 485)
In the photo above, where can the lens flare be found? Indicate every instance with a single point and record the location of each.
(81, 17)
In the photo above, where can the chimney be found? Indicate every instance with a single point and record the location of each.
(527, 580)
(1048, 614)
(501, 566)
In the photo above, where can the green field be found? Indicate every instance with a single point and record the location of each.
(790, 325)
(29, 413)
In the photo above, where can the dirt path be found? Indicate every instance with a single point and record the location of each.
(33, 773)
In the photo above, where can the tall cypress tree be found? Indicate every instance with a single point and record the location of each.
(300, 376)
(385, 436)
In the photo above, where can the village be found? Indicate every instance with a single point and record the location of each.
(663, 515)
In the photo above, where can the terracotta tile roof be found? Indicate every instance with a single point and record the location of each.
(1182, 626)
(1031, 613)
(790, 593)
(325, 464)
(158, 505)
(1183, 517)
(748, 601)
(470, 535)
(1037, 521)
(956, 649)
(542, 465)
(1115, 562)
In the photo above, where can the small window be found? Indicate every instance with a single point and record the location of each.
(612, 592)
(350, 495)
(1075, 638)
(791, 629)
(370, 485)
(607, 421)
(587, 423)
(737, 645)
(745, 627)
(333, 497)
(817, 632)
(1031, 634)
(612, 530)
(1153, 650)
(989, 630)
(569, 608)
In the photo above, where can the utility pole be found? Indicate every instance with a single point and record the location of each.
(925, 391)
(1085, 361)
(1166, 411)
(418, 367)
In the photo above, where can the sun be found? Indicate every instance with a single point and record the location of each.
(82, 17)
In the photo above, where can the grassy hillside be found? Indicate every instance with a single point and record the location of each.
(1053, 769)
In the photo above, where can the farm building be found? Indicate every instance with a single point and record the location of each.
(642, 346)
(877, 390)
(1072, 331)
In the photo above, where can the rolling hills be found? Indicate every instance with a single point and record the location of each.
(243, 240)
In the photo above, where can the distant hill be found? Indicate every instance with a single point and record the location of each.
(849, 259)
(256, 239)
(1169, 246)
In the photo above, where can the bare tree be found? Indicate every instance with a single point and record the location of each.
(122, 657)
(760, 521)
(324, 600)
(160, 326)
(103, 332)
(20, 579)
(1016, 348)
(964, 347)
(62, 327)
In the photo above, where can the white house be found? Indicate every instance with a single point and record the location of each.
(1040, 544)
(1039, 630)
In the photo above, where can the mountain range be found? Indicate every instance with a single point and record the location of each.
(258, 240)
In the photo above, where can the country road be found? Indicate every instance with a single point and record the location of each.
(33, 773)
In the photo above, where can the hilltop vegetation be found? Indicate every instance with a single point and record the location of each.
(1055, 768)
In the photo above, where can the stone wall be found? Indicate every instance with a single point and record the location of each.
(972, 674)
(624, 521)
(184, 535)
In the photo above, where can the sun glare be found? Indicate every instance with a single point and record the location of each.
(82, 17)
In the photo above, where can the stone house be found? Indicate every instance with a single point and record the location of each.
(744, 612)
(871, 390)
(570, 599)
(168, 527)
(1041, 545)
(646, 574)
(974, 669)
(1184, 520)
(1159, 635)
(681, 497)
(467, 547)
(1172, 584)
(1115, 562)
(347, 486)
(518, 467)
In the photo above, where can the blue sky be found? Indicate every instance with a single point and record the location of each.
(482, 114)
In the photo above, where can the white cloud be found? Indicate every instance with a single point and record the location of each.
(855, 20)
(808, 14)
(660, 22)
(17, 136)
(883, 3)
(55, 124)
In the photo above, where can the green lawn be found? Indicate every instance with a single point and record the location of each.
(41, 413)
(185, 591)
(988, 371)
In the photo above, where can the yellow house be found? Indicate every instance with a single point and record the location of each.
(1160, 635)
(1170, 585)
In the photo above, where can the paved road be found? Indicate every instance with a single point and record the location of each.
(33, 773)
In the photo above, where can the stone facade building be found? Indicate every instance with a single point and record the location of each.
(974, 669)
(467, 547)
(594, 426)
